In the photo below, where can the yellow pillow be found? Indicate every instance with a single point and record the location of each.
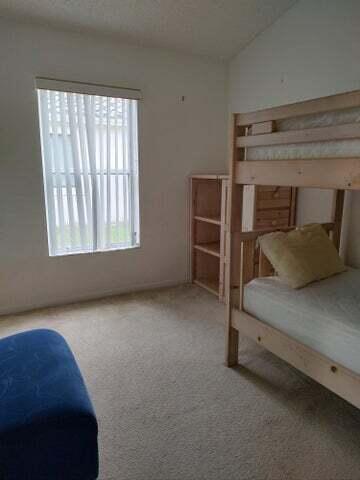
(302, 256)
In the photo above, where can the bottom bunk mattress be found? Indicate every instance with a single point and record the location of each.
(324, 316)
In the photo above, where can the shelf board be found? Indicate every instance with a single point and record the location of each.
(213, 220)
(212, 248)
(220, 176)
(211, 286)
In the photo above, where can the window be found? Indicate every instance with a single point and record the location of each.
(89, 139)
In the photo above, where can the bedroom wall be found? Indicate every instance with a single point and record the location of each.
(176, 138)
(311, 51)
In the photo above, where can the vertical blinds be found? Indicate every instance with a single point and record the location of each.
(90, 165)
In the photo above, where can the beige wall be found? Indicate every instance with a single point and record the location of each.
(311, 51)
(176, 138)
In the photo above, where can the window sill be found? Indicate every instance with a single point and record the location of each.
(87, 252)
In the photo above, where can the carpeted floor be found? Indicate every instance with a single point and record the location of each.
(168, 408)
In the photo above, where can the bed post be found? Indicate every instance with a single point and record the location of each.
(234, 226)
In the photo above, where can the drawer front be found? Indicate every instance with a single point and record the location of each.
(268, 223)
(273, 203)
(273, 193)
(272, 214)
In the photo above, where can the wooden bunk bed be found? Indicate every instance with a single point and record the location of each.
(259, 129)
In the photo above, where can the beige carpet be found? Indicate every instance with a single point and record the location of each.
(168, 409)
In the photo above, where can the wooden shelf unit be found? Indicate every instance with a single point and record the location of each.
(264, 207)
(207, 237)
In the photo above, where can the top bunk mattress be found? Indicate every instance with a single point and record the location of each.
(324, 316)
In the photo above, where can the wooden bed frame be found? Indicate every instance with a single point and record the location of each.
(340, 174)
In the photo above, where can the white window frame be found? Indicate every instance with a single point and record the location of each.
(79, 179)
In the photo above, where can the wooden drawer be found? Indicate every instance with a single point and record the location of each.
(270, 207)
(273, 197)
(268, 223)
(272, 214)
(273, 193)
(274, 203)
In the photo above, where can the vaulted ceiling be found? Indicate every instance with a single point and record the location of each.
(216, 28)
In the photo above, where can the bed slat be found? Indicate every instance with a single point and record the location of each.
(333, 376)
(265, 267)
(319, 134)
(308, 107)
(254, 234)
(336, 173)
(338, 207)
(247, 271)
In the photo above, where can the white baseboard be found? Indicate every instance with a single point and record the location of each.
(83, 297)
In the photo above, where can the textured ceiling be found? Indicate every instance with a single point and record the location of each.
(217, 28)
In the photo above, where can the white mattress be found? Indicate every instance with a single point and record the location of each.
(324, 315)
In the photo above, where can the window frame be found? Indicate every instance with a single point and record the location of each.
(95, 177)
